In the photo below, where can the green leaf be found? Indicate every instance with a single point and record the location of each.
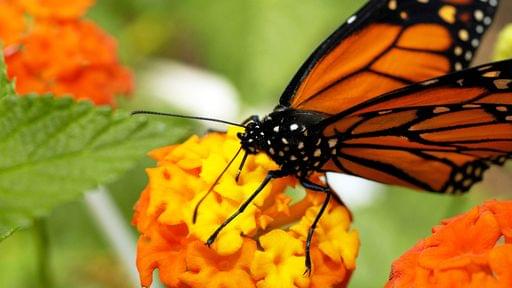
(52, 150)
(6, 86)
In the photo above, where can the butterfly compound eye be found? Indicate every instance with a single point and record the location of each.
(241, 135)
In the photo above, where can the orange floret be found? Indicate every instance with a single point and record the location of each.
(258, 249)
(159, 246)
(73, 58)
(205, 268)
(12, 23)
(470, 250)
(49, 49)
(60, 9)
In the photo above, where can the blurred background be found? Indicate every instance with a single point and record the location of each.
(227, 59)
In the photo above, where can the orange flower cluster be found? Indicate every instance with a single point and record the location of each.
(471, 250)
(263, 247)
(56, 9)
(50, 49)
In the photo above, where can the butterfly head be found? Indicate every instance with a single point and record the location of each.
(253, 136)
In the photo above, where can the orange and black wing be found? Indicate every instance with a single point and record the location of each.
(387, 45)
(439, 135)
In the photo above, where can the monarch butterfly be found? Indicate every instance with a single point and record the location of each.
(388, 97)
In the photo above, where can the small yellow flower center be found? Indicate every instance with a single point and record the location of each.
(278, 260)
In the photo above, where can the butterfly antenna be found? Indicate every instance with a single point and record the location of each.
(241, 166)
(196, 209)
(185, 117)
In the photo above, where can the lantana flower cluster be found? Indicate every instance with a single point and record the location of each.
(471, 250)
(263, 247)
(50, 48)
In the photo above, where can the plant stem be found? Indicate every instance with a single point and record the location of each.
(116, 231)
(42, 244)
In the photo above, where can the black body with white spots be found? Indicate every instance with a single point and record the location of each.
(291, 138)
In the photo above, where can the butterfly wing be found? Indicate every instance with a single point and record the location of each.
(438, 135)
(388, 45)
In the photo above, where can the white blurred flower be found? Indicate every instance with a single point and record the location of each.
(192, 90)
(354, 191)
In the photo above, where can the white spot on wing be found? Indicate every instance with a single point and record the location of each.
(441, 110)
(392, 5)
(463, 35)
(487, 20)
(479, 15)
(468, 55)
(458, 51)
(430, 82)
(468, 106)
(485, 68)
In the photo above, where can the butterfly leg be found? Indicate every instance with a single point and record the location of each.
(308, 184)
(241, 167)
(271, 175)
(315, 187)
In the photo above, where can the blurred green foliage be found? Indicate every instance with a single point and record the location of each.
(258, 45)
(504, 45)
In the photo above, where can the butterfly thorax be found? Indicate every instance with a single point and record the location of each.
(290, 138)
